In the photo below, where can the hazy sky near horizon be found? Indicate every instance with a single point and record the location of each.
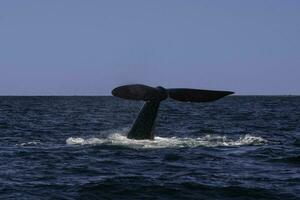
(72, 47)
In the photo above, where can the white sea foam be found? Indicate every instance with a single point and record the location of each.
(171, 142)
(31, 143)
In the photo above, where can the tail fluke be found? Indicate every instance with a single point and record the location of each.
(194, 95)
(147, 93)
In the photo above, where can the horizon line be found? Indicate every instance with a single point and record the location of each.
(80, 95)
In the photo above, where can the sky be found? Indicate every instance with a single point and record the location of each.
(76, 47)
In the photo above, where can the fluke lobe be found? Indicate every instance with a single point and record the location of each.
(143, 126)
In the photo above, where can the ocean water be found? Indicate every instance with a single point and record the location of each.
(240, 147)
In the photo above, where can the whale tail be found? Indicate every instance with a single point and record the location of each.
(144, 124)
(147, 93)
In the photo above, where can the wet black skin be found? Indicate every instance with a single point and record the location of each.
(144, 124)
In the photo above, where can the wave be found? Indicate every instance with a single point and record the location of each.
(139, 187)
(165, 142)
(290, 159)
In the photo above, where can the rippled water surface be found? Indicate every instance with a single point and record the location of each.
(240, 147)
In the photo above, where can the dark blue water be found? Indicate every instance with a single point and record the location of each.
(76, 148)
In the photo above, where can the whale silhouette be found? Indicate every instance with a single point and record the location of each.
(143, 126)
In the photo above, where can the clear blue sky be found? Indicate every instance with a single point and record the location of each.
(72, 47)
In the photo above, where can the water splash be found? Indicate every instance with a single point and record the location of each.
(119, 139)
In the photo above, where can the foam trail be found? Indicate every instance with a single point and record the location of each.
(164, 142)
